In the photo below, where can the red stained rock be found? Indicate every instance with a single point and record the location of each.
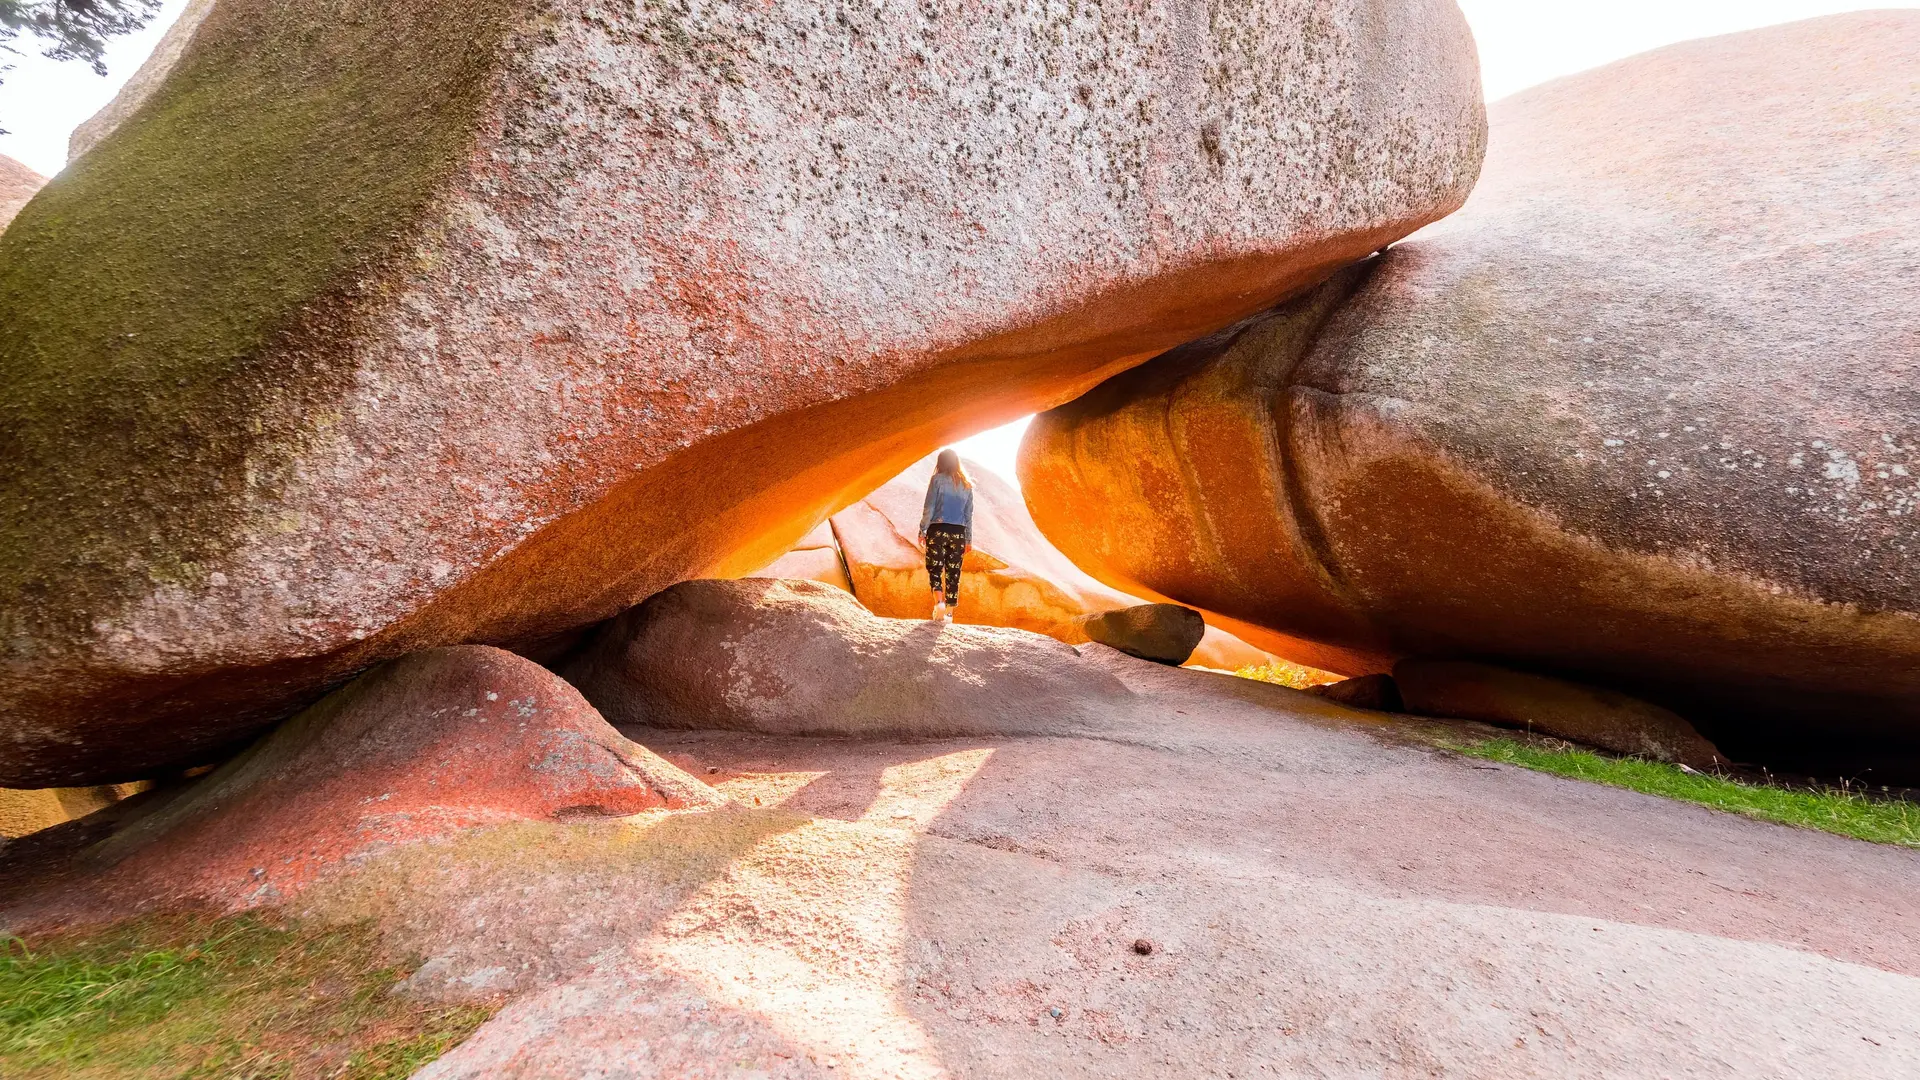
(1644, 413)
(480, 320)
(421, 747)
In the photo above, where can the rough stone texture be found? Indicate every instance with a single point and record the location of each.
(801, 657)
(145, 80)
(1377, 692)
(1323, 902)
(1163, 633)
(1598, 717)
(478, 320)
(17, 185)
(1643, 413)
(422, 747)
(1012, 577)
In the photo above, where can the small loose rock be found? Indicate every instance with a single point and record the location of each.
(1143, 946)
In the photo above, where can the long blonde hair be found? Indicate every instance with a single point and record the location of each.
(949, 463)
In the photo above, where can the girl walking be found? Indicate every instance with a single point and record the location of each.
(946, 531)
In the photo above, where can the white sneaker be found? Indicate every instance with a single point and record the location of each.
(939, 611)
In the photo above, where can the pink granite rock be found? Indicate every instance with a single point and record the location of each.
(804, 658)
(480, 320)
(418, 749)
(1644, 413)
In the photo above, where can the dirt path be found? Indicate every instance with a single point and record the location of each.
(1319, 899)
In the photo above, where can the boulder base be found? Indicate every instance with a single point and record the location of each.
(431, 744)
(1494, 695)
(1376, 692)
(804, 658)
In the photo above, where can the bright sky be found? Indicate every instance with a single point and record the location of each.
(1522, 42)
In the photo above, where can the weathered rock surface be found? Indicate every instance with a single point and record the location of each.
(17, 185)
(1324, 899)
(1465, 690)
(804, 658)
(478, 320)
(1012, 577)
(420, 748)
(1163, 633)
(1644, 413)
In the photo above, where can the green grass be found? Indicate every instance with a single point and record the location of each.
(1285, 673)
(198, 996)
(1835, 810)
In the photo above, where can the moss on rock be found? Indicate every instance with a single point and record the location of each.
(164, 297)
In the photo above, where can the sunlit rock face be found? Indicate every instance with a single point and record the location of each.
(17, 185)
(816, 557)
(1645, 411)
(476, 320)
(1012, 576)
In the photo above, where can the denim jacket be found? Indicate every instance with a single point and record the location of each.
(949, 502)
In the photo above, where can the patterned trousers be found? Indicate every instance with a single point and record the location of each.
(945, 546)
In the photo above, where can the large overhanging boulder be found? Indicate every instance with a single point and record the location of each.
(379, 326)
(1644, 412)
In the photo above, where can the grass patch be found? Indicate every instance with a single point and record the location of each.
(1845, 811)
(200, 996)
(1286, 673)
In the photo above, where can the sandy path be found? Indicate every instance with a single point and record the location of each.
(1322, 901)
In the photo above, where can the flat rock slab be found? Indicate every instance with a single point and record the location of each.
(1320, 900)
